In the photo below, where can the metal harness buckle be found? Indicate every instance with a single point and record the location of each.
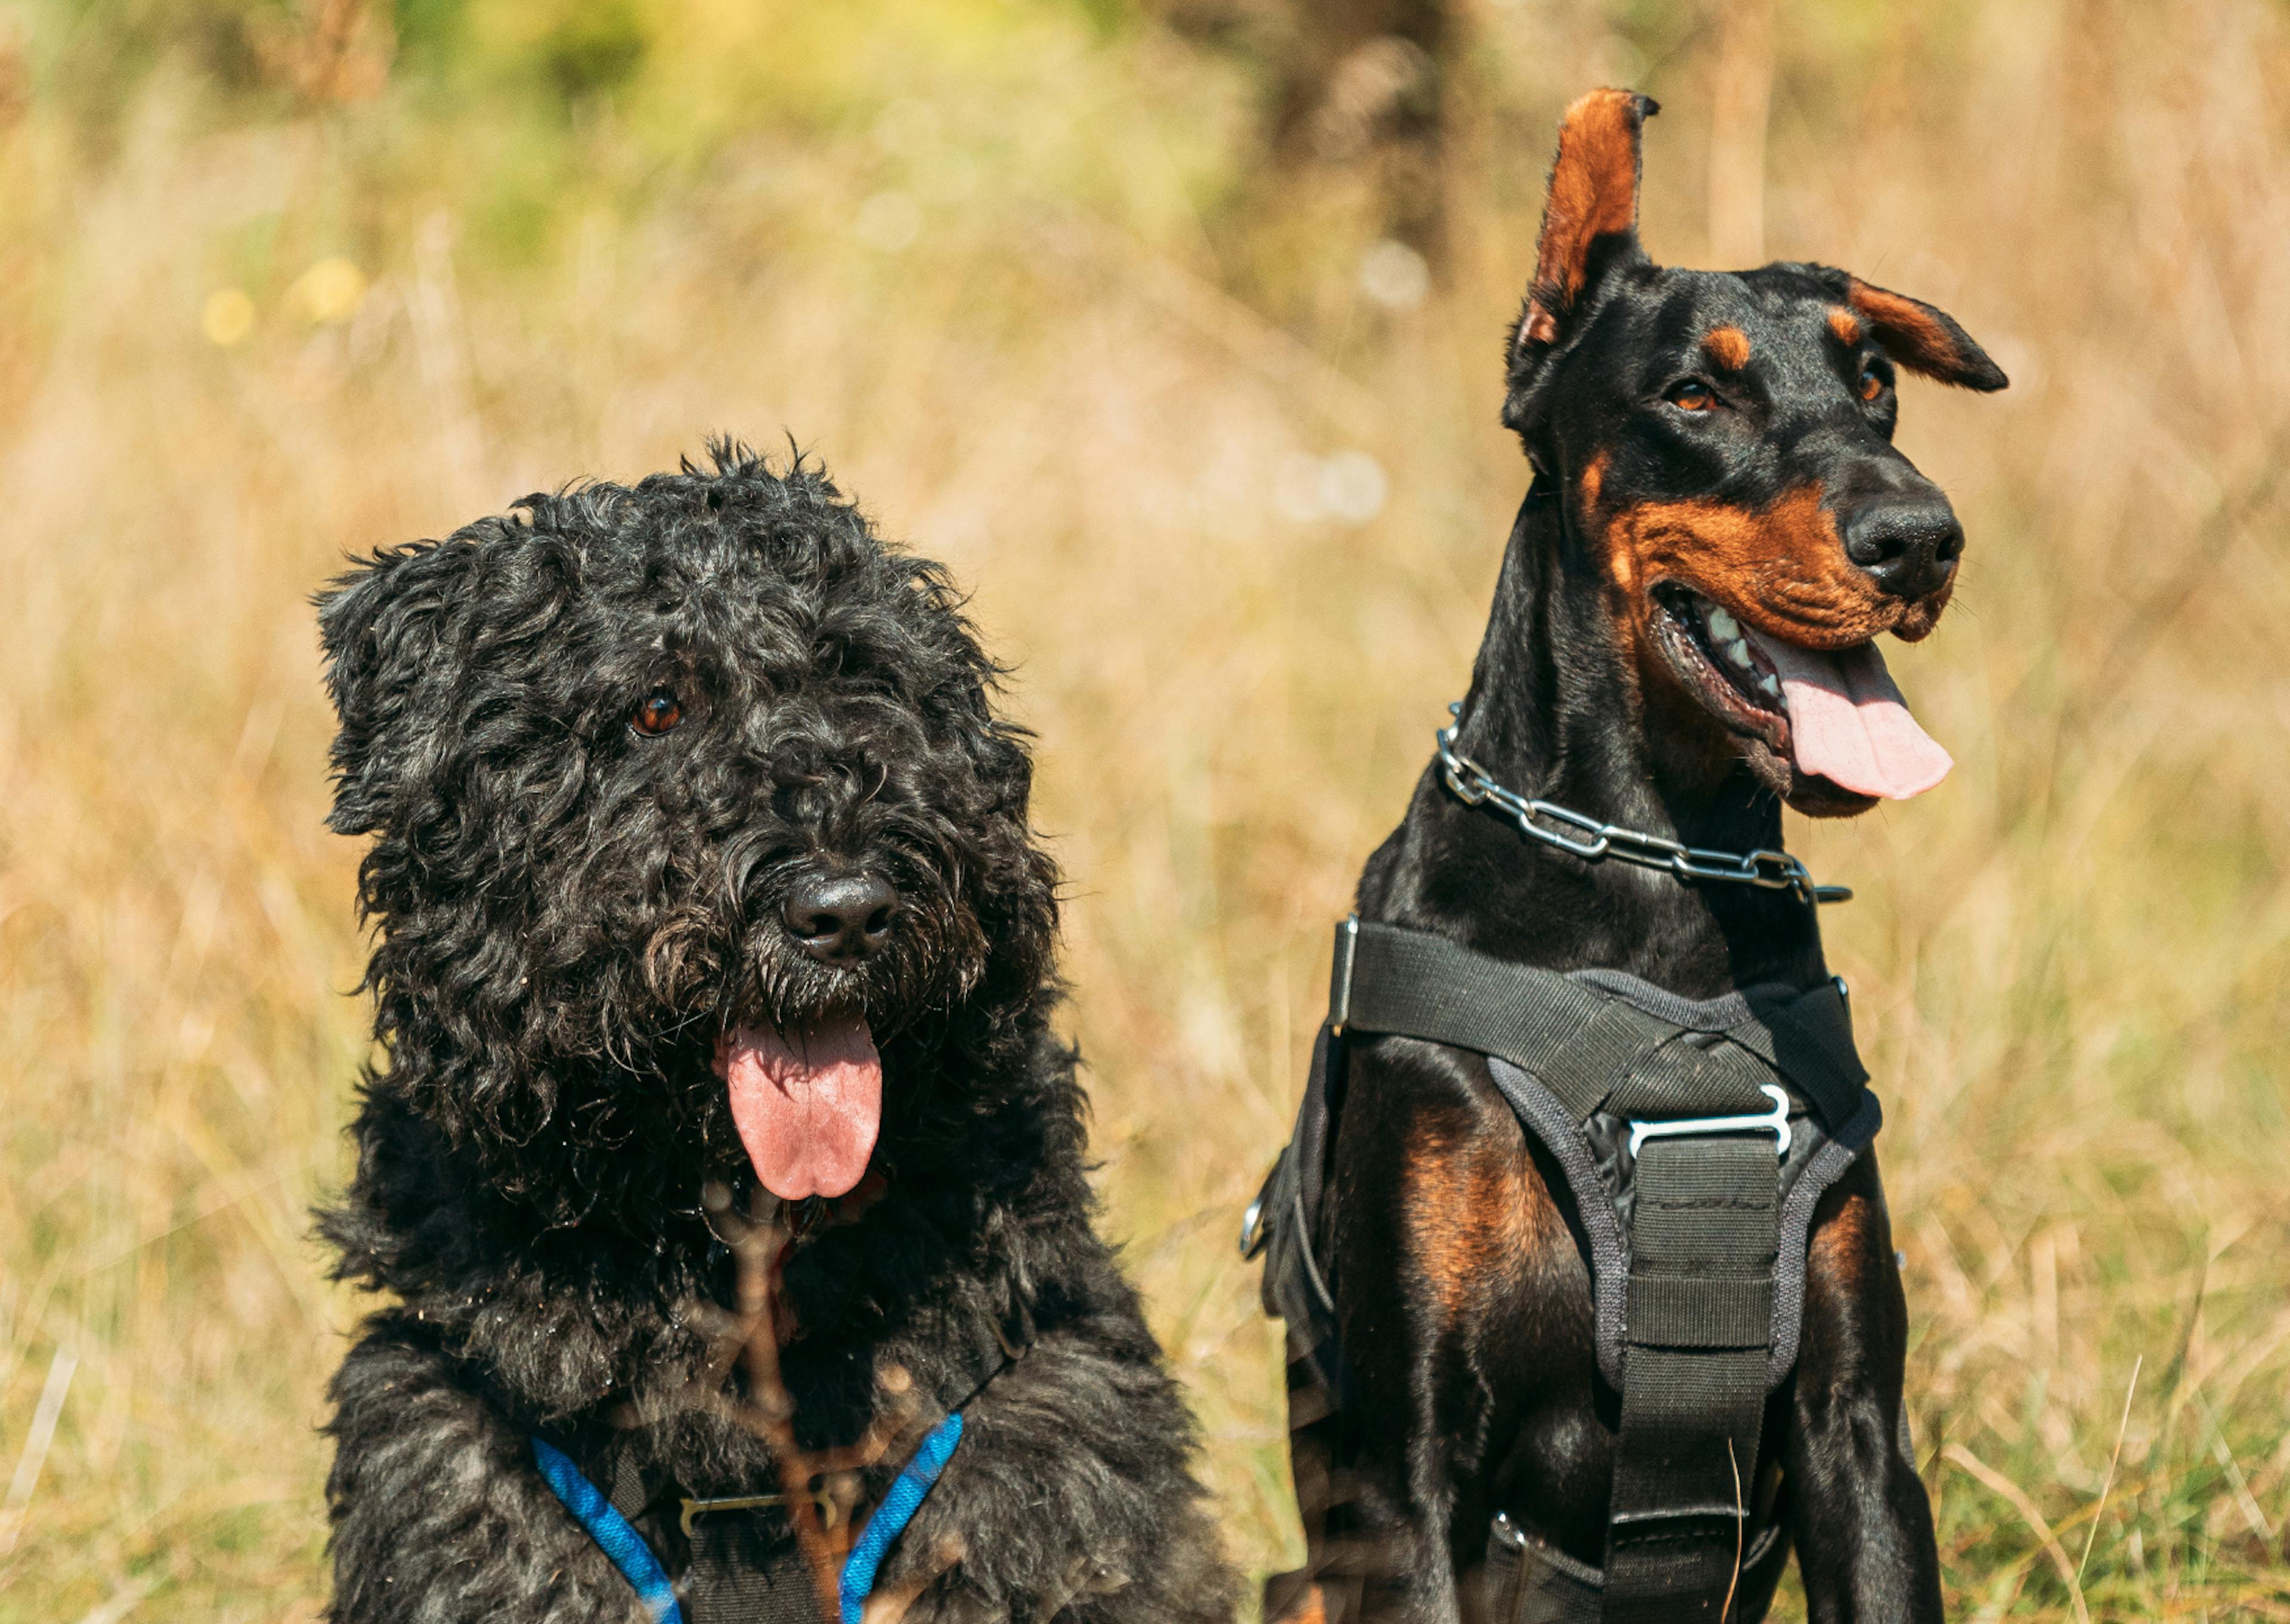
(1340, 1006)
(829, 1513)
(1776, 1120)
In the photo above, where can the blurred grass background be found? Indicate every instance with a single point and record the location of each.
(1174, 327)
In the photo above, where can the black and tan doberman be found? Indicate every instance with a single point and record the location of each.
(1717, 529)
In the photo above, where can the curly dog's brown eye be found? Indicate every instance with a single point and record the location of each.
(1693, 396)
(1872, 383)
(658, 713)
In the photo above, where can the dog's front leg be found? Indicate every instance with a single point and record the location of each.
(1438, 1225)
(439, 1513)
(1863, 1524)
(1384, 1557)
(1380, 1534)
(1068, 1498)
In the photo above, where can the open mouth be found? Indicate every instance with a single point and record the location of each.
(1831, 713)
(808, 1104)
(1729, 673)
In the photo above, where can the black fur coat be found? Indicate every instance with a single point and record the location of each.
(572, 904)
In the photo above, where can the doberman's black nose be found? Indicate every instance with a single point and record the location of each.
(839, 919)
(1909, 545)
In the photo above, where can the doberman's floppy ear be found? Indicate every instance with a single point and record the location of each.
(1920, 337)
(1589, 214)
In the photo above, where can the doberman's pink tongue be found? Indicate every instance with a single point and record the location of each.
(1849, 724)
(808, 1107)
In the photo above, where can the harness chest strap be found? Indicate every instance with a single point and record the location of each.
(781, 1595)
(1692, 1329)
(723, 1583)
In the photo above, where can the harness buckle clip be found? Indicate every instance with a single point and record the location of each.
(1252, 1232)
(1339, 1001)
(830, 1512)
(1775, 1122)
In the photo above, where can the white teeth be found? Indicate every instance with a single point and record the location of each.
(1770, 685)
(1737, 651)
(1722, 626)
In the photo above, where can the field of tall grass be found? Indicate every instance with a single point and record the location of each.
(1221, 468)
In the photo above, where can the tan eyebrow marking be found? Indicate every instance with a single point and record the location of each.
(1728, 346)
(1592, 481)
(1844, 323)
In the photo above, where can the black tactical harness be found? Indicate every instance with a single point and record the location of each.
(1696, 1138)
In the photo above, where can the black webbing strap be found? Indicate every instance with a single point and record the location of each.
(1573, 1038)
(727, 1585)
(1808, 1037)
(1525, 1582)
(733, 1574)
(1580, 1042)
(1704, 1235)
(1700, 1323)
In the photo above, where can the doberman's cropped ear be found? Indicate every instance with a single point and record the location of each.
(1920, 337)
(1589, 214)
(387, 627)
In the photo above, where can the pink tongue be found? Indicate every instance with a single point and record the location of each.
(1849, 724)
(808, 1110)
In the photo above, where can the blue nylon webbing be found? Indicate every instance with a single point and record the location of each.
(891, 1518)
(621, 1544)
(626, 1550)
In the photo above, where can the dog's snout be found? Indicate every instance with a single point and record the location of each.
(1908, 547)
(839, 919)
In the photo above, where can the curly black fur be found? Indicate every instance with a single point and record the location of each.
(569, 914)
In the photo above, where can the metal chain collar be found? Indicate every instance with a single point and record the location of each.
(1591, 840)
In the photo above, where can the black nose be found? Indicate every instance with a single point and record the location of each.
(840, 919)
(1910, 547)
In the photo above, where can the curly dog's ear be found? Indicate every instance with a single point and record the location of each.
(389, 631)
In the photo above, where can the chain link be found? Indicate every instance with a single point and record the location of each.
(1591, 840)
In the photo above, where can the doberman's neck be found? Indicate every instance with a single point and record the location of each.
(1553, 712)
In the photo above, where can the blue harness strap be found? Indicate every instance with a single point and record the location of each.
(626, 1550)
(890, 1519)
(621, 1544)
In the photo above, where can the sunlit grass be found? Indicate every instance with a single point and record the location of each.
(2069, 963)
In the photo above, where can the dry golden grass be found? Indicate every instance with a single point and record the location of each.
(1001, 311)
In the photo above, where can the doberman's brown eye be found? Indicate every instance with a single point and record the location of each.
(1872, 383)
(1691, 396)
(658, 713)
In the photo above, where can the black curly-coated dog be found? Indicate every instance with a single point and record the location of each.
(704, 886)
